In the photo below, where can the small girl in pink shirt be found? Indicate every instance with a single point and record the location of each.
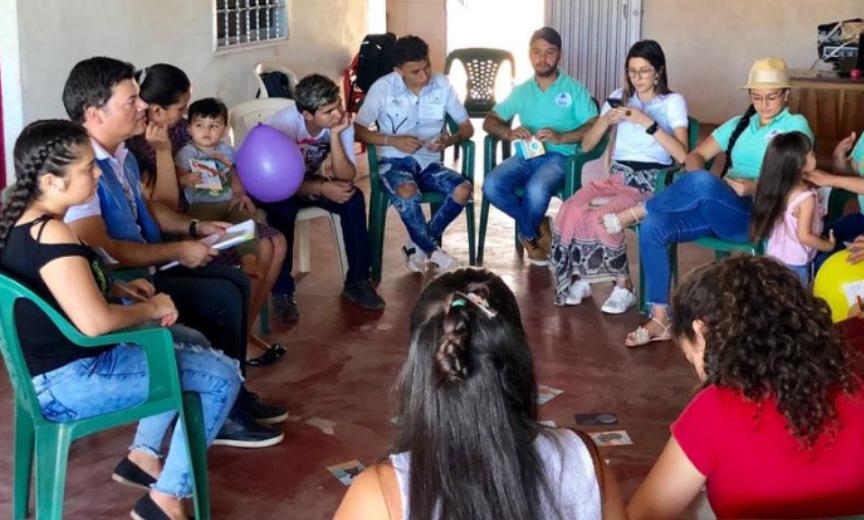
(786, 209)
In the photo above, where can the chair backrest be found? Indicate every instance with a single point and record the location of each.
(264, 67)
(242, 117)
(692, 133)
(11, 291)
(481, 68)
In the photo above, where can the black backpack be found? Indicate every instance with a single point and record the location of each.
(277, 85)
(375, 59)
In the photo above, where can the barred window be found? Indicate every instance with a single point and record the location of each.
(241, 23)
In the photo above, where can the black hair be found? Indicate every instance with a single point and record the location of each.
(162, 84)
(650, 51)
(782, 170)
(208, 107)
(315, 91)
(46, 146)
(409, 48)
(547, 34)
(468, 403)
(767, 336)
(90, 84)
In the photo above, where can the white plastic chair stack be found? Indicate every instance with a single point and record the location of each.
(242, 118)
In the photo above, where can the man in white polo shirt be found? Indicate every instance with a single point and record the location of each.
(409, 107)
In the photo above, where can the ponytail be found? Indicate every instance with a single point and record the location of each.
(43, 146)
(739, 129)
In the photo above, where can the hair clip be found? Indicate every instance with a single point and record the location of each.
(477, 300)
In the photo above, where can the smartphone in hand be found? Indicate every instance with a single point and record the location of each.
(614, 102)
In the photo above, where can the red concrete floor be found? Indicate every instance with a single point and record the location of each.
(342, 363)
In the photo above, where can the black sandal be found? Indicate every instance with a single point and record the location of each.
(273, 354)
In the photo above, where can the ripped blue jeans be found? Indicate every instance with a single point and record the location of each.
(119, 378)
(435, 178)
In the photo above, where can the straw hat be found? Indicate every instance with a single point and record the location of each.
(768, 73)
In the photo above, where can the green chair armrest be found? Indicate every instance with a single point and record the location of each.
(575, 164)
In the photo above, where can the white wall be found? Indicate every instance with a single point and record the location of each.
(710, 44)
(55, 34)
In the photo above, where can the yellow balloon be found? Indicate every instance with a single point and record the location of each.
(839, 283)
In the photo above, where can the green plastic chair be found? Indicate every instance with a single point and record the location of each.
(572, 180)
(481, 69)
(49, 442)
(379, 200)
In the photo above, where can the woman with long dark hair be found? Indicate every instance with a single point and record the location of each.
(55, 169)
(647, 127)
(468, 444)
(777, 429)
(701, 204)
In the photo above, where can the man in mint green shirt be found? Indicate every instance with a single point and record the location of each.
(554, 109)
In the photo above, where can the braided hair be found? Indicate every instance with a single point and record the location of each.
(468, 404)
(46, 146)
(736, 133)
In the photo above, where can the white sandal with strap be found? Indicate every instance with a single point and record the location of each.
(642, 336)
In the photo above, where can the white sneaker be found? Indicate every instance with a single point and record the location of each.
(442, 261)
(415, 258)
(619, 301)
(578, 290)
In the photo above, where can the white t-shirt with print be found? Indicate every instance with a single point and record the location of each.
(315, 148)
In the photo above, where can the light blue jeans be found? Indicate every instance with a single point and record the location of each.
(119, 378)
(696, 205)
(541, 177)
(437, 178)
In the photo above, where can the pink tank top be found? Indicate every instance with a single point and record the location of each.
(783, 244)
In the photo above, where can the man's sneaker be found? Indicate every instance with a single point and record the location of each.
(536, 254)
(240, 431)
(578, 290)
(259, 412)
(619, 301)
(286, 308)
(362, 293)
(442, 261)
(415, 258)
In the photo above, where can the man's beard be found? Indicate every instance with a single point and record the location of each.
(548, 72)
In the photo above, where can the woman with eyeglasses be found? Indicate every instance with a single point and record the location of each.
(646, 124)
(701, 204)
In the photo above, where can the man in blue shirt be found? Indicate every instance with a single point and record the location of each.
(555, 109)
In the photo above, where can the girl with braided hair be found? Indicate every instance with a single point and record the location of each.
(468, 444)
(701, 204)
(56, 169)
(777, 429)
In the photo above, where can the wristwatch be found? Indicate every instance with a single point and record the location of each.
(193, 228)
(652, 129)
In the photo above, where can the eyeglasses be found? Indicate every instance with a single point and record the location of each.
(770, 98)
(640, 73)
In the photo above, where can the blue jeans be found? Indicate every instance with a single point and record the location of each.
(697, 205)
(352, 215)
(437, 178)
(119, 378)
(846, 229)
(541, 177)
(802, 271)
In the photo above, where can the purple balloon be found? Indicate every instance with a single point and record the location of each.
(269, 164)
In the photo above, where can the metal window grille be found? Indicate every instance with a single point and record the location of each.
(239, 23)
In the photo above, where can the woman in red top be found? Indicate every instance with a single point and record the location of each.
(777, 430)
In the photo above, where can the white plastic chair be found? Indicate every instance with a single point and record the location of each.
(241, 119)
(263, 67)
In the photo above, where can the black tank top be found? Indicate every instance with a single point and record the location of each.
(44, 346)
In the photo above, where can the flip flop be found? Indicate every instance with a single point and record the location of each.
(273, 354)
(642, 336)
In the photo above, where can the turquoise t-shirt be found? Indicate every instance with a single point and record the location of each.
(857, 157)
(563, 107)
(753, 141)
